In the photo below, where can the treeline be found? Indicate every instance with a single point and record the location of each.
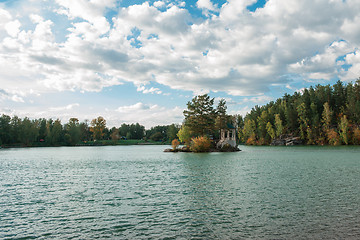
(318, 115)
(15, 131)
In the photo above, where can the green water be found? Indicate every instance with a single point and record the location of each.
(139, 192)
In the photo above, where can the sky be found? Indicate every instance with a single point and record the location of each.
(142, 61)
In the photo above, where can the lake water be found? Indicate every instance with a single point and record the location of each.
(139, 192)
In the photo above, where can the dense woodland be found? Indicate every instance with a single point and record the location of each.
(15, 131)
(318, 115)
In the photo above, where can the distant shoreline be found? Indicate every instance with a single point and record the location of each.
(87, 144)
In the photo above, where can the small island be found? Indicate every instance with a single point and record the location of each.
(205, 128)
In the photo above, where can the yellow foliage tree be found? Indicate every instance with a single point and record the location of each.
(97, 127)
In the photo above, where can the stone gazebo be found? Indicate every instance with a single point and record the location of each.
(227, 136)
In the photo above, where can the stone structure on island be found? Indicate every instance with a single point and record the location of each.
(227, 137)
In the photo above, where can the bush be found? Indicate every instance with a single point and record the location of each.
(200, 144)
(333, 137)
(356, 136)
(175, 143)
(251, 140)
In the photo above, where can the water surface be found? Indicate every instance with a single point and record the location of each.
(139, 192)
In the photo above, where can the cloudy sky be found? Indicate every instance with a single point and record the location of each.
(141, 61)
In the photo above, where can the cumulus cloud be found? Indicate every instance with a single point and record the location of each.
(151, 90)
(147, 114)
(235, 51)
(64, 108)
(5, 95)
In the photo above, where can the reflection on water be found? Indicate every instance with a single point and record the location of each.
(139, 192)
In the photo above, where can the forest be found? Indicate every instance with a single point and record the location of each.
(16, 132)
(320, 115)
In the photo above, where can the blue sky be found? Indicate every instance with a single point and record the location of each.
(142, 61)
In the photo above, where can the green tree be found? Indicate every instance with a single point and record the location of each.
(249, 130)
(200, 115)
(55, 132)
(156, 137)
(16, 130)
(42, 129)
(278, 126)
(5, 128)
(270, 130)
(303, 120)
(185, 135)
(172, 131)
(221, 118)
(30, 131)
(344, 129)
(85, 133)
(73, 130)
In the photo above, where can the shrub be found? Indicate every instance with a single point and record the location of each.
(251, 140)
(333, 137)
(200, 144)
(356, 136)
(175, 143)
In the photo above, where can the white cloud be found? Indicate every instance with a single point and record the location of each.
(258, 99)
(64, 108)
(12, 28)
(6, 95)
(237, 52)
(205, 4)
(151, 90)
(146, 114)
(159, 4)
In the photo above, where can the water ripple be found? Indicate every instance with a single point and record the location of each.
(138, 192)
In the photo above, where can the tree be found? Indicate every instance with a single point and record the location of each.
(5, 137)
(30, 131)
(303, 120)
(185, 135)
(85, 133)
(97, 127)
(55, 132)
(326, 116)
(42, 129)
(249, 130)
(73, 130)
(221, 118)
(156, 137)
(115, 136)
(344, 129)
(16, 129)
(200, 115)
(270, 130)
(172, 131)
(278, 126)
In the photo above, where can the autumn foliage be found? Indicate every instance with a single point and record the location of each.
(200, 144)
(175, 143)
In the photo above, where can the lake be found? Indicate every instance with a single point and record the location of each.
(139, 192)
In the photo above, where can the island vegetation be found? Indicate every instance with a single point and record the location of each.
(200, 131)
